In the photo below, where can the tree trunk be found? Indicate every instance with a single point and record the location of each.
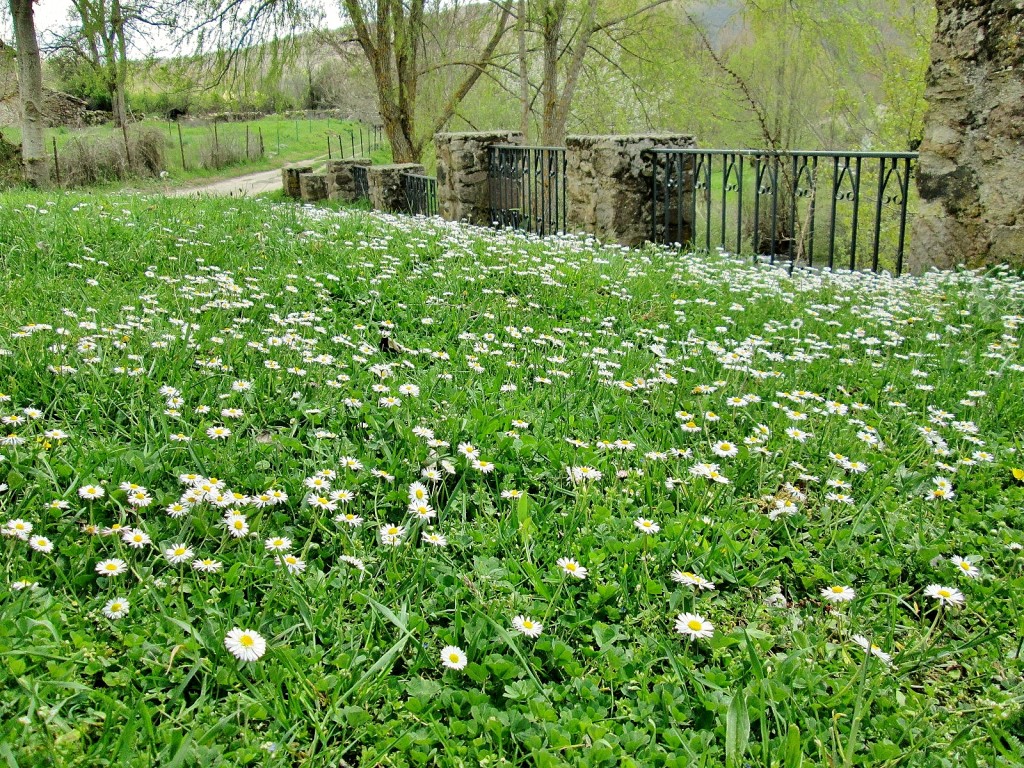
(403, 149)
(551, 32)
(524, 71)
(30, 90)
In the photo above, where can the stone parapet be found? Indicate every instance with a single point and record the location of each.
(462, 180)
(608, 186)
(290, 179)
(971, 199)
(313, 187)
(385, 183)
(341, 182)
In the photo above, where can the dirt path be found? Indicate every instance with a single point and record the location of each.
(239, 186)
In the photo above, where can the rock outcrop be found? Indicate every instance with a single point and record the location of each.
(972, 156)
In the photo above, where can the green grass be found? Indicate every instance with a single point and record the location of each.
(516, 346)
(284, 141)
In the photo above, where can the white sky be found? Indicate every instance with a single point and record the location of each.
(52, 15)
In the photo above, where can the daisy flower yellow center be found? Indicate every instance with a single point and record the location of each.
(179, 551)
(695, 625)
(837, 590)
(111, 566)
(570, 566)
(246, 640)
(392, 531)
(453, 657)
(945, 593)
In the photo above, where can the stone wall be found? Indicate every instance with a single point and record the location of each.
(290, 179)
(608, 185)
(385, 182)
(463, 192)
(972, 156)
(341, 182)
(59, 109)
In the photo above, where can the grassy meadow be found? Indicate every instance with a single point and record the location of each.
(285, 486)
(195, 154)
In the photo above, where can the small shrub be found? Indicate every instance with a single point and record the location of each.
(220, 152)
(90, 160)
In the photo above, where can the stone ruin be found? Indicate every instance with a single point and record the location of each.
(60, 109)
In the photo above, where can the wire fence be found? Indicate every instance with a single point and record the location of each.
(195, 145)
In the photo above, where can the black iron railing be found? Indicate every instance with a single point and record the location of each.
(843, 210)
(362, 181)
(527, 188)
(420, 194)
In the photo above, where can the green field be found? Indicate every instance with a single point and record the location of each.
(284, 140)
(287, 487)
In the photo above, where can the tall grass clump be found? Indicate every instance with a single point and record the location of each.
(222, 151)
(87, 160)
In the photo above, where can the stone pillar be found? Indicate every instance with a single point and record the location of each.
(608, 186)
(290, 179)
(341, 183)
(463, 192)
(313, 187)
(971, 208)
(385, 182)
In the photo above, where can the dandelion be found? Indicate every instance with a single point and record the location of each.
(113, 567)
(116, 608)
(838, 594)
(945, 595)
(572, 567)
(454, 657)
(693, 626)
(524, 625)
(245, 644)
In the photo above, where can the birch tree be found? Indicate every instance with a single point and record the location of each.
(393, 36)
(30, 93)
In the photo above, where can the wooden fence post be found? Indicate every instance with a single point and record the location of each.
(56, 162)
(181, 148)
